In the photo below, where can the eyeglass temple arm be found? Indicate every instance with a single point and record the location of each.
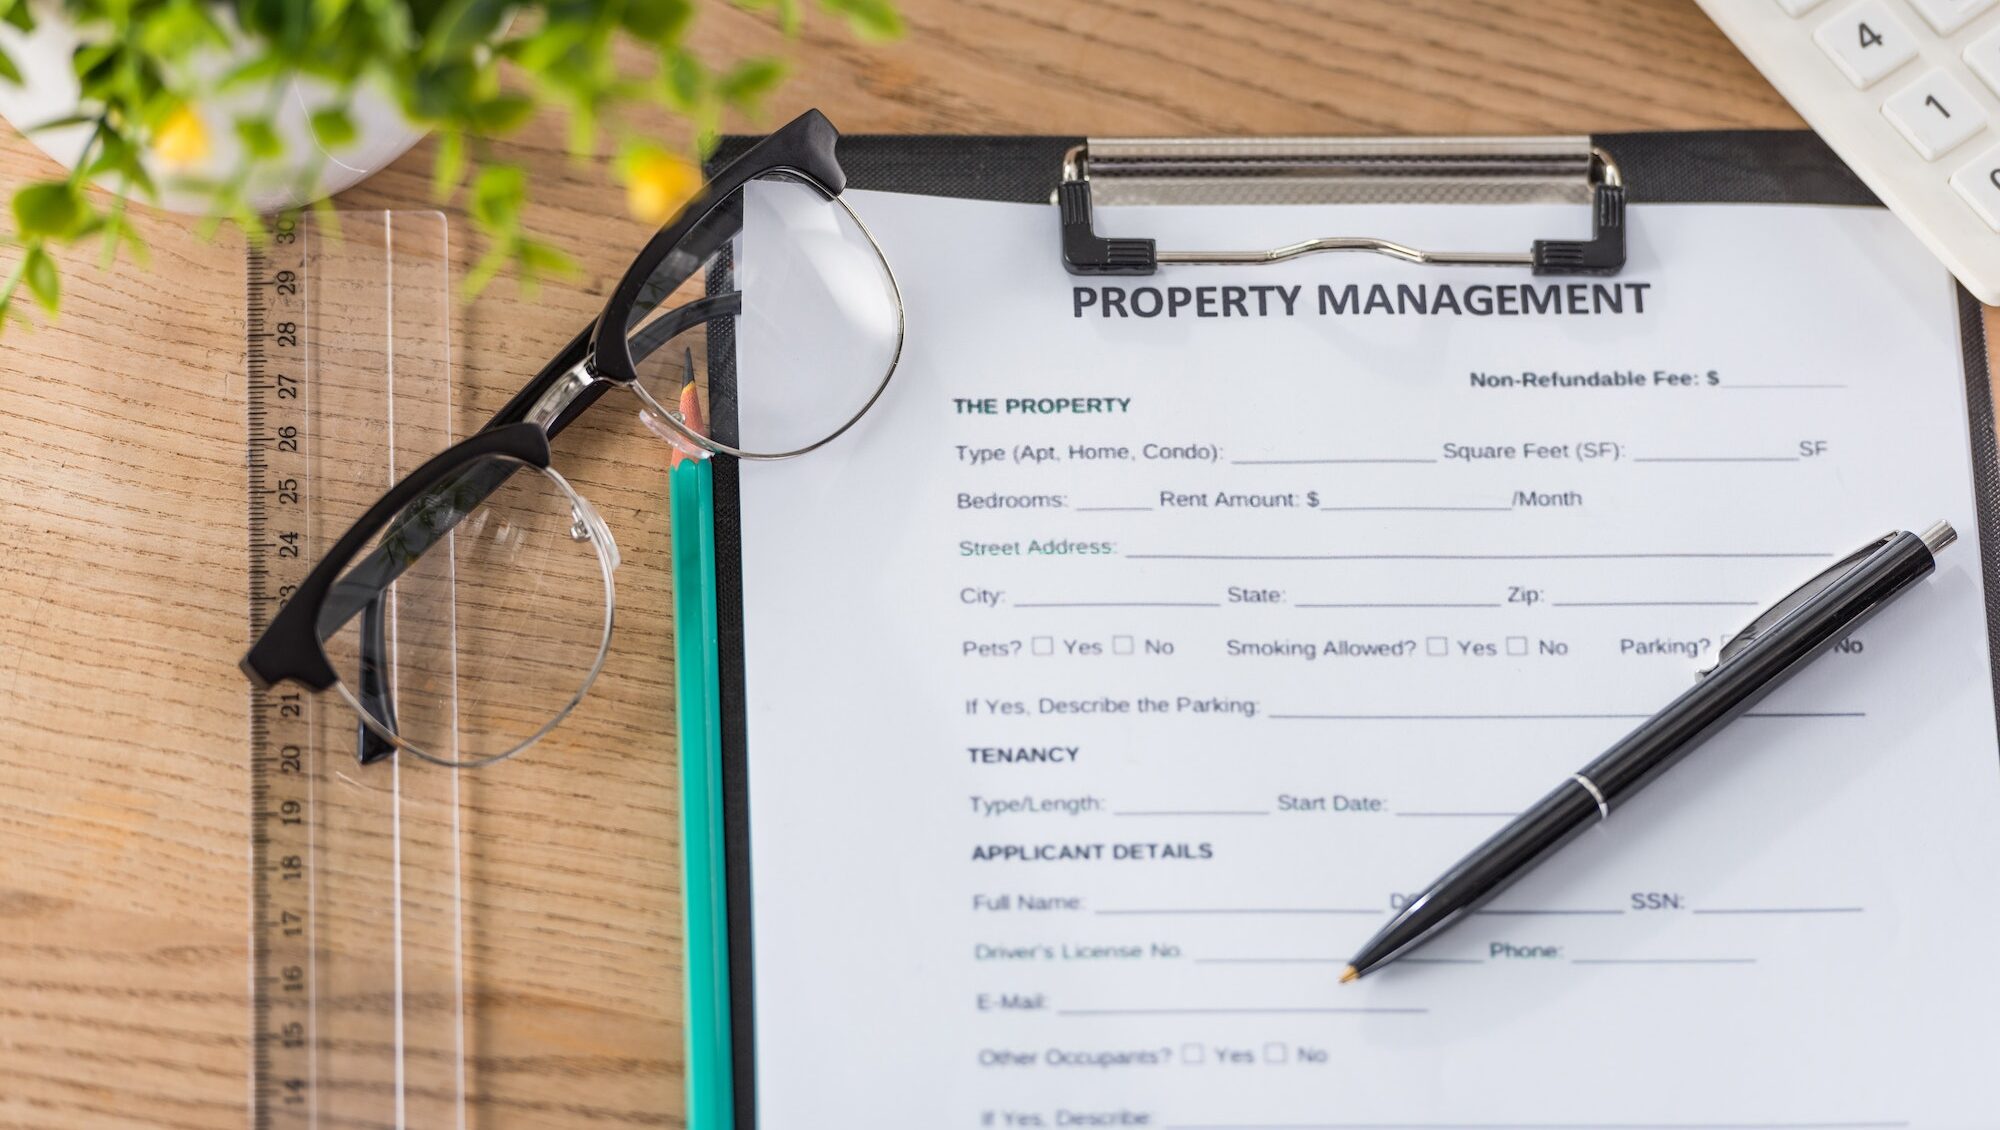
(378, 699)
(364, 586)
(360, 584)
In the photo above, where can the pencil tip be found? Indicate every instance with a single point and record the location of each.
(1348, 974)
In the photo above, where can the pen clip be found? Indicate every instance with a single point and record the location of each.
(1786, 605)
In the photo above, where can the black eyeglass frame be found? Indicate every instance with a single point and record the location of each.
(292, 648)
(601, 356)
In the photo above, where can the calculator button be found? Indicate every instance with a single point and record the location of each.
(1983, 56)
(1935, 113)
(1867, 40)
(1947, 16)
(1798, 7)
(1979, 183)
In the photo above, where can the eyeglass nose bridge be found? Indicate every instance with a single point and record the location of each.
(553, 403)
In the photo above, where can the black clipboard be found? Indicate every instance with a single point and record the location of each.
(1699, 167)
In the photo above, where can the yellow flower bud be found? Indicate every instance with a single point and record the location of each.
(181, 140)
(657, 185)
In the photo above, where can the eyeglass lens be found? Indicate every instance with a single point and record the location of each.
(782, 312)
(489, 599)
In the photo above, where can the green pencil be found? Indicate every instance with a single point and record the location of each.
(705, 909)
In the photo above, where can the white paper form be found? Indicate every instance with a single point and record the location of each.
(1117, 676)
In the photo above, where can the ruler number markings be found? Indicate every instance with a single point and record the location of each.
(281, 824)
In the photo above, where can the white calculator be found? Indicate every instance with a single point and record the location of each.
(1908, 93)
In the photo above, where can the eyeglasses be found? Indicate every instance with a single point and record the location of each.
(768, 297)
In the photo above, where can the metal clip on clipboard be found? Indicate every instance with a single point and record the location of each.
(1307, 170)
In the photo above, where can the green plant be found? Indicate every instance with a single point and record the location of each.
(468, 70)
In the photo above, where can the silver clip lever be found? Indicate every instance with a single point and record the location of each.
(1085, 252)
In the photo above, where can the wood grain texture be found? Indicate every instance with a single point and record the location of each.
(123, 790)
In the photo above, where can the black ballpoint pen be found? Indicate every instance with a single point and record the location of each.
(1779, 642)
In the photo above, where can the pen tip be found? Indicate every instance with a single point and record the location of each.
(1348, 974)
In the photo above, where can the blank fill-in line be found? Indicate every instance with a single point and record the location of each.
(1562, 912)
(1240, 910)
(1784, 386)
(1663, 961)
(1542, 717)
(1272, 960)
(1302, 1010)
(1118, 604)
(1196, 812)
(1317, 462)
(1806, 714)
(1417, 509)
(1455, 717)
(1875, 1125)
(1781, 910)
(1403, 604)
(1490, 815)
(1716, 459)
(1108, 509)
(1663, 556)
(1655, 603)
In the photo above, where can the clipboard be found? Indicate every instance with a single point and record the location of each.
(1076, 174)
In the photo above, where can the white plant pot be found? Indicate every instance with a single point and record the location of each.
(49, 89)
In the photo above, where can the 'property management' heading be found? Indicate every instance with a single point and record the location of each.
(1478, 300)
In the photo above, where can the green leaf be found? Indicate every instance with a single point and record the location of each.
(582, 130)
(749, 81)
(543, 260)
(391, 22)
(8, 70)
(333, 128)
(489, 266)
(329, 12)
(21, 15)
(497, 194)
(872, 20)
(51, 209)
(94, 65)
(114, 153)
(442, 93)
(38, 270)
(255, 70)
(550, 44)
(59, 123)
(135, 172)
(463, 26)
(502, 113)
(683, 79)
(120, 234)
(447, 165)
(175, 29)
(259, 139)
(658, 22)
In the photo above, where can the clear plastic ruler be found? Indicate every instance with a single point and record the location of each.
(356, 931)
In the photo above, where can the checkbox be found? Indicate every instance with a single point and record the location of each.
(1274, 1053)
(1517, 645)
(1437, 645)
(1045, 645)
(1191, 1053)
(1121, 645)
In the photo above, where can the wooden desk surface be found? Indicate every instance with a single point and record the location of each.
(123, 791)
